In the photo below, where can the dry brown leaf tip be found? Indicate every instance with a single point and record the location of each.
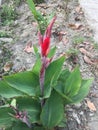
(85, 52)
(75, 26)
(87, 60)
(7, 66)
(78, 9)
(29, 47)
(91, 105)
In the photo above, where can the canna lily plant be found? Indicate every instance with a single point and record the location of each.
(35, 99)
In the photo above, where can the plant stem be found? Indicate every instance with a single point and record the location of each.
(42, 78)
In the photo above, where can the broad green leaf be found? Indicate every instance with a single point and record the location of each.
(53, 111)
(20, 126)
(53, 71)
(84, 90)
(59, 87)
(36, 51)
(52, 52)
(5, 118)
(39, 128)
(7, 91)
(13, 103)
(9, 128)
(64, 75)
(63, 122)
(52, 74)
(37, 67)
(32, 106)
(26, 82)
(73, 83)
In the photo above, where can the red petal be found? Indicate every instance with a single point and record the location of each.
(45, 46)
(49, 28)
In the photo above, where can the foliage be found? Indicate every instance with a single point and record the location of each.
(78, 40)
(35, 99)
(7, 14)
(41, 20)
(62, 87)
(5, 34)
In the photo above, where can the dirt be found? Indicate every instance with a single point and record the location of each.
(70, 33)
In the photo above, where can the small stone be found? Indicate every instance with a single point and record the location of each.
(24, 34)
(9, 40)
(91, 114)
(81, 113)
(1, 52)
(76, 118)
(78, 105)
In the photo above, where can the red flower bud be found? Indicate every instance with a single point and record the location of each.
(44, 41)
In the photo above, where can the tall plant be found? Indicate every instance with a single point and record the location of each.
(35, 99)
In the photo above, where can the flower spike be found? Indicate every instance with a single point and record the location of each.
(44, 41)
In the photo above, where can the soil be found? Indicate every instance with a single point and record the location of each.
(70, 33)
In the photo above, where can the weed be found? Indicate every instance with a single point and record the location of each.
(95, 45)
(5, 34)
(78, 40)
(73, 55)
(8, 14)
(72, 51)
(17, 2)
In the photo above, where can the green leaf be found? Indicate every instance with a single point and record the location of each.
(32, 106)
(7, 91)
(37, 67)
(59, 87)
(26, 82)
(36, 51)
(39, 128)
(64, 75)
(52, 52)
(20, 126)
(84, 90)
(9, 128)
(38, 16)
(53, 71)
(32, 7)
(53, 111)
(52, 74)
(5, 118)
(73, 83)
(63, 123)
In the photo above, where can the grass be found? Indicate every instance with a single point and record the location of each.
(73, 51)
(95, 44)
(5, 34)
(78, 39)
(8, 14)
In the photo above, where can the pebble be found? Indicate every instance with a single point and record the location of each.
(1, 52)
(91, 114)
(81, 113)
(78, 105)
(9, 40)
(76, 118)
